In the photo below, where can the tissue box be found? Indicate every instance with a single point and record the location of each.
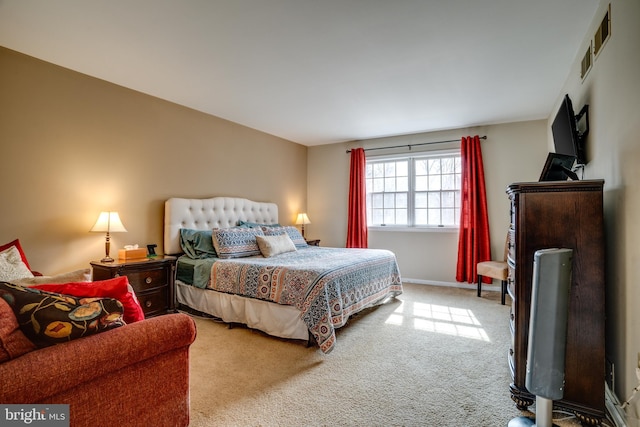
(128, 254)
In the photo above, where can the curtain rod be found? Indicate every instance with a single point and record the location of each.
(414, 145)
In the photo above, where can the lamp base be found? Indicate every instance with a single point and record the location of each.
(107, 259)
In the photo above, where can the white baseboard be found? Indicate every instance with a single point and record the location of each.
(485, 287)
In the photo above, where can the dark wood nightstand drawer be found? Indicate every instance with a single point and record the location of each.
(154, 302)
(151, 279)
(148, 279)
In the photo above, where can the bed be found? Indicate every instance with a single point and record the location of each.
(304, 292)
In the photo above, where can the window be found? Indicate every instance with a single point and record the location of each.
(416, 191)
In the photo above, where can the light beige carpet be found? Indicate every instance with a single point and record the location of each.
(434, 356)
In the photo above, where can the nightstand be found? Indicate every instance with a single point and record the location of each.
(315, 242)
(152, 280)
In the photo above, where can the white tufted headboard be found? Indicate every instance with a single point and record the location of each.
(206, 214)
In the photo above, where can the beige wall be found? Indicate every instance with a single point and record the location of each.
(612, 91)
(73, 145)
(512, 152)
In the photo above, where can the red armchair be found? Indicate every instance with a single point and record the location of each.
(135, 375)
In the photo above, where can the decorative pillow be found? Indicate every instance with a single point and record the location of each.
(293, 233)
(13, 343)
(274, 245)
(236, 242)
(197, 244)
(83, 275)
(16, 243)
(117, 288)
(248, 224)
(11, 265)
(47, 318)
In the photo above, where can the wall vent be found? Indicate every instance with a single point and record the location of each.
(603, 32)
(587, 60)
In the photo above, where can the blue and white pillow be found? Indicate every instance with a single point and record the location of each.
(293, 233)
(236, 242)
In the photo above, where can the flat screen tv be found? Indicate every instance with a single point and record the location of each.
(567, 138)
(558, 167)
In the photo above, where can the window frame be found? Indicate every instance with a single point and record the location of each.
(411, 226)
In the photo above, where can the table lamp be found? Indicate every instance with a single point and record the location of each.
(302, 220)
(108, 222)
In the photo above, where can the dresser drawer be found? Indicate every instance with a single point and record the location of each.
(148, 279)
(154, 302)
(511, 282)
(512, 214)
(512, 345)
(511, 244)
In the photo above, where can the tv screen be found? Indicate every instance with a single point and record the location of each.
(566, 138)
(558, 167)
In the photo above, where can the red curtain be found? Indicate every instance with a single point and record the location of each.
(357, 232)
(473, 243)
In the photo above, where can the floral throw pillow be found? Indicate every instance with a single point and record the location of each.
(117, 288)
(48, 318)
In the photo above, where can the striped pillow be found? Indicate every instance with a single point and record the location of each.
(236, 242)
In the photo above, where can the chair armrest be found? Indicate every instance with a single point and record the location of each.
(50, 370)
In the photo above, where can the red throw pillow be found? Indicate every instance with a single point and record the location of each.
(16, 243)
(117, 288)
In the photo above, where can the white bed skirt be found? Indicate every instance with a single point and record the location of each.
(274, 319)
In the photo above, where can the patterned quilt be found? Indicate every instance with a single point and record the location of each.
(326, 284)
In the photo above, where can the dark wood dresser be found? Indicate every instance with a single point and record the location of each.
(563, 214)
(152, 279)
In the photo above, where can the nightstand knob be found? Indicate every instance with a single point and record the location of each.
(148, 304)
(116, 275)
(148, 280)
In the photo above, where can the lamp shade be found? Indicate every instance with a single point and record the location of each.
(302, 219)
(109, 222)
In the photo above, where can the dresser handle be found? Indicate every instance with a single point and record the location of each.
(148, 280)
(148, 304)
